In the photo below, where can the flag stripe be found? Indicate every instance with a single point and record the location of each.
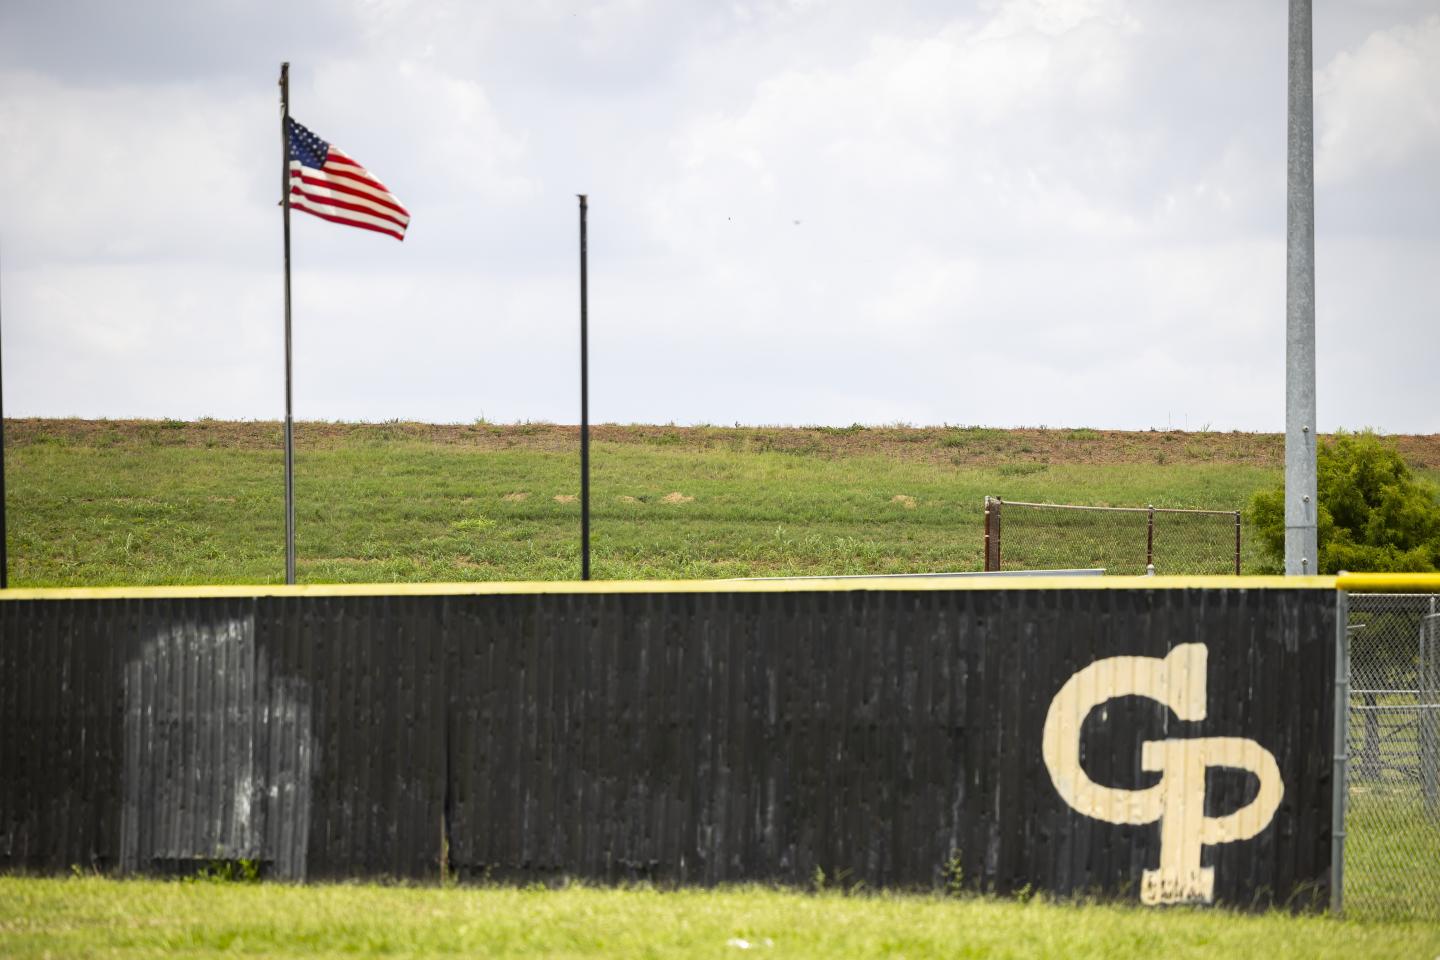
(314, 184)
(338, 158)
(324, 178)
(322, 206)
(356, 175)
(321, 198)
(388, 230)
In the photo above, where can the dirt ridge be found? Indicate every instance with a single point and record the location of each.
(953, 444)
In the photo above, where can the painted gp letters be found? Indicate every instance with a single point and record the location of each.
(1178, 800)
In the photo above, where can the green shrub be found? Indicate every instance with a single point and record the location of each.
(1374, 513)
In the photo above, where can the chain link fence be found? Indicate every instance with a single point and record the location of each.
(1392, 816)
(1123, 540)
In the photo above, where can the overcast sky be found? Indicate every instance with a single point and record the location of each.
(999, 212)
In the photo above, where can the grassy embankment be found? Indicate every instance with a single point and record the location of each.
(93, 917)
(144, 502)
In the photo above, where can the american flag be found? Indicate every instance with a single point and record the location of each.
(330, 185)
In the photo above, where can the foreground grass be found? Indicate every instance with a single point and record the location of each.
(1392, 852)
(190, 503)
(97, 917)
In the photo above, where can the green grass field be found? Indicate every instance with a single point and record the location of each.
(95, 917)
(156, 502)
(96, 503)
(1392, 853)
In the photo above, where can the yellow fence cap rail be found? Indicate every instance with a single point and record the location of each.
(838, 584)
(1389, 582)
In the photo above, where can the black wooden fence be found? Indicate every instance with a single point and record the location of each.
(897, 735)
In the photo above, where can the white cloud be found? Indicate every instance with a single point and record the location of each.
(1050, 17)
(142, 339)
(132, 172)
(1378, 107)
(442, 127)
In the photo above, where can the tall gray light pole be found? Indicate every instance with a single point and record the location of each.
(1301, 548)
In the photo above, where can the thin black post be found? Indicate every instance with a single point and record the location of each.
(1150, 539)
(1237, 543)
(289, 423)
(584, 405)
(4, 528)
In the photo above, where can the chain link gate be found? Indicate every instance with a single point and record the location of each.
(1171, 541)
(1392, 817)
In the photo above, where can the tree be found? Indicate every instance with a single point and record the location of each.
(1374, 513)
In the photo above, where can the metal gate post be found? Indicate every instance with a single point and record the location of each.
(1150, 539)
(1339, 777)
(1237, 543)
(1429, 710)
(1339, 781)
(992, 533)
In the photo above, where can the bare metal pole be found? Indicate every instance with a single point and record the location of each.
(1301, 546)
(289, 421)
(584, 401)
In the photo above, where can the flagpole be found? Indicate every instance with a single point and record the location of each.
(584, 403)
(289, 421)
